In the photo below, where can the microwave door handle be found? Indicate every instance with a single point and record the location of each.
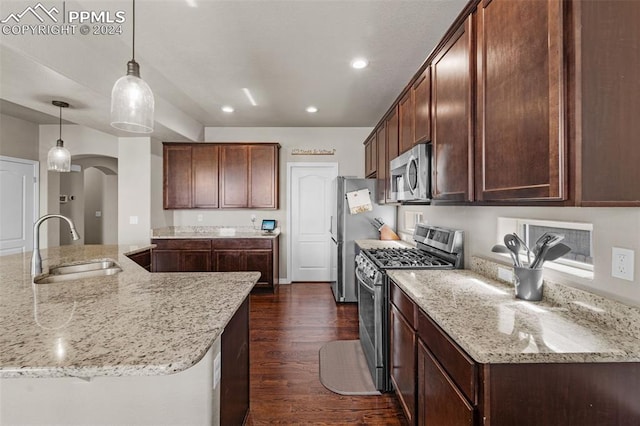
(412, 160)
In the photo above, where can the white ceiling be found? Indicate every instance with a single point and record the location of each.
(289, 53)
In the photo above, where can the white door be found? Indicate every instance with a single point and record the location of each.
(18, 204)
(310, 193)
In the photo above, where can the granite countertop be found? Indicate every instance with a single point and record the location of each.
(381, 244)
(131, 323)
(213, 232)
(483, 316)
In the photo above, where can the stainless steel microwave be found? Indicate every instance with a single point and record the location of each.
(411, 175)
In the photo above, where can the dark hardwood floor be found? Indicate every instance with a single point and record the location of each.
(287, 331)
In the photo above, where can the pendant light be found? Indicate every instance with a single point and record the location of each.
(59, 157)
(132, 101)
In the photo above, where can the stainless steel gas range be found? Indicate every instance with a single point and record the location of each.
(437, 248)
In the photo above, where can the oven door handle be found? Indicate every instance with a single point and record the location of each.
(363, 281)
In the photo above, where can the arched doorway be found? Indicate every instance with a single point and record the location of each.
(89, 196)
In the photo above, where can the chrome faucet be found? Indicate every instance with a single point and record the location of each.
(36, 260)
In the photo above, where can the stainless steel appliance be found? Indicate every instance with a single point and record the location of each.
(346, 228)
(437, 248)
(411, 175)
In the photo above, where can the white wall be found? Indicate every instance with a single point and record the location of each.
(18, 138)
(134, 190)
(79, 140)
(347, 141)
(619, 227)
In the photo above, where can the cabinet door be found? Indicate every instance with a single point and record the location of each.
(166, 261)
(392, 125)
(195, 261)
(263, 176)
(381, 169)
(370, 156)
(205, 175)
(405, 107)
(451, 115)
(229, 260)
(261, 261)
(609, 126)
(403, 362)
(439, 401)
(177, 185)
(422, 108)
(234, 176)
(520, 144)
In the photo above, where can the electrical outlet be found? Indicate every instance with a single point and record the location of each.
(199, 218)
(622, 263)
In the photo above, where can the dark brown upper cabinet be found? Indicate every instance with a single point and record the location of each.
(383, 166)
(520, 142)
(422, 107)
(606, 103)
(177, 179)
(249, 176)
(205, 176)
(452, 130)
(392, 124)
(370, 156)
(405, 108)
(234, 176)
(212, 175)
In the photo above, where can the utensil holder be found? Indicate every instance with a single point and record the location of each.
(528, 283)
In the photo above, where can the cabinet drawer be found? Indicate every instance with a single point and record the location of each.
(242, 243)
(453, 359)
(171, 244)
(403, 304)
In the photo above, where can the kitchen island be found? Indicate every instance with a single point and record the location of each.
(133, 347)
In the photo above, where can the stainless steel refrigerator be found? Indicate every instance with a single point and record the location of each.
(346, 228)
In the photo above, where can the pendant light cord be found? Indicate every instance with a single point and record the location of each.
(60, 123)
(134, 31)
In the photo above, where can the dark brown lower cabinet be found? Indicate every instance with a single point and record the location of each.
(142, 258)
(234, 375)
(187, 255)
(453, 389)
(220, 255)
(403, 352)
(439, 400)
(248, 254)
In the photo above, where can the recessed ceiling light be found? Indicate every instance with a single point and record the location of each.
(227, 108)
(359, 63)
(312, 109)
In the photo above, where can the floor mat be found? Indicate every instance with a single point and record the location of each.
(343, 369)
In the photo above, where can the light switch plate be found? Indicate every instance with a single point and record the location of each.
(622, 263)
(133, 220)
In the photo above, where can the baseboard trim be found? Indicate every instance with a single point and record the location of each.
(284, 281)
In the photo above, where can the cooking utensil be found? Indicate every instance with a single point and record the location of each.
(556, 252)
(523, 244)
(513, 244)
(550, 240)
(499, 248)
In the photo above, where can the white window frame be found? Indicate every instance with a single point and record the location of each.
(580, 269)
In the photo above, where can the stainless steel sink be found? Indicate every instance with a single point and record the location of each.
(99, 268)
(83, 267)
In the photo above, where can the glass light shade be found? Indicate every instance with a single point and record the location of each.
(59, 158)
(132, 105)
